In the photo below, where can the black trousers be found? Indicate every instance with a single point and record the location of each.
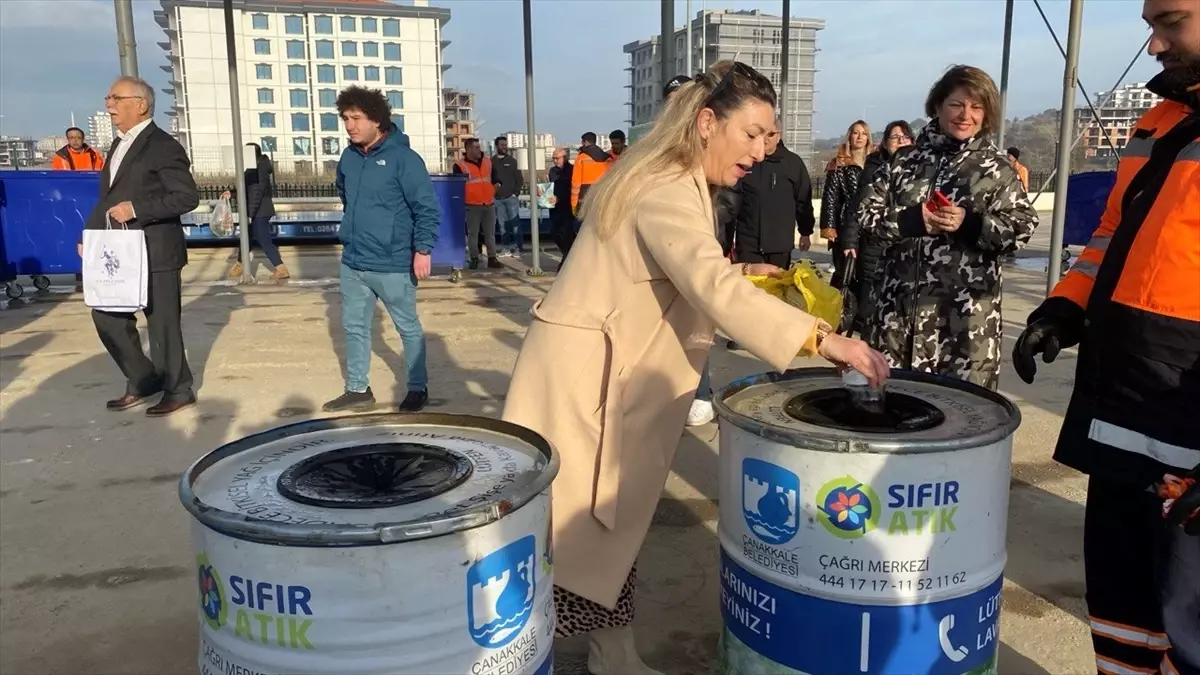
(562, 229)
(783, 260)
(167, 368)
(260, 229)
(1143, 583)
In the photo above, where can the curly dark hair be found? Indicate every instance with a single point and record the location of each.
(371, 102)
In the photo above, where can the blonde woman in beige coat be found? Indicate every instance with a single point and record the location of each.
(612, 358)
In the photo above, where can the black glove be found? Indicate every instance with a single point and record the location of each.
(1054, 326)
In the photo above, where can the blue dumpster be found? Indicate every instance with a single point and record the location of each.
(1087, 195)
(41, 219)
(451, 249)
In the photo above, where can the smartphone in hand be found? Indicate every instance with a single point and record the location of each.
(937, 200)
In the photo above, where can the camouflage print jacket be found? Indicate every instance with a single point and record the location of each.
(937, 308)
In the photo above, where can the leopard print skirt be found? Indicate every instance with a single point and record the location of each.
(578, 615)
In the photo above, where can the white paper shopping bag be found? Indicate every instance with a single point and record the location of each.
(115, 270)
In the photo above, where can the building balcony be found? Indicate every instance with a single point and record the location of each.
(445, 43)
(167, 68)
(161, 18)
(165, 46)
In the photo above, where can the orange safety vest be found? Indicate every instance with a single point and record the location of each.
(480, 190)
(66, 159)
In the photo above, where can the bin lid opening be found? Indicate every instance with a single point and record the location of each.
(836, 408)
(374, 476)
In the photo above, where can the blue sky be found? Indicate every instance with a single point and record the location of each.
(877, 58)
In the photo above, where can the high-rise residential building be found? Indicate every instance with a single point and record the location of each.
(18, 152)
(1119, 111)
(100, 130)
(460, 122)
(750, 36)
(294, 57)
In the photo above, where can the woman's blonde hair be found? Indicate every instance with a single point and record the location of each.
(845, 153)
(673, 146)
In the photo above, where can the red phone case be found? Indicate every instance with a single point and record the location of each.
(937, 200)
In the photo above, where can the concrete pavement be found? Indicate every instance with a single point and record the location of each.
(96, 567)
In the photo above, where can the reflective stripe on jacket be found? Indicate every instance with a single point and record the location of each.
(480, 191)
(1135, 410)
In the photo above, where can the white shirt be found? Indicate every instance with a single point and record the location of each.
(127, 139)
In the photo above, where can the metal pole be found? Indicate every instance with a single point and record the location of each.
(530, 146)
(1065, 131)
(1008, 20)
(666, 45)
(239, 166)
(691, 57)
(126, 45)
(703, 36)
(783, 72)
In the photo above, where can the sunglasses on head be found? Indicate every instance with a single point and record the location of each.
(738, 68)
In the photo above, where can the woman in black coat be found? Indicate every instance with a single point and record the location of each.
(260, 209)
(867, 249)
(840, 192)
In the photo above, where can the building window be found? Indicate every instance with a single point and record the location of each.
(262, 46)
(392, 75)
(297, 74)
(301, 147)
(259, 22)
(299, 98)
(370, 26)
(331, 145)
(323, 25)
(266, 96)
(350, 73)
(266, 120)
(371, 73)
(348, 24)
(398, 120)
(324, 49)
(262, 71)
(349, 48)
(329, 122)
(326, 74)
(395, 99)
(391, 27)
(327, 98)
(293, 25)
(268, 143)
(391, 51)
(371, 49)
(300, 122)
(295, 49)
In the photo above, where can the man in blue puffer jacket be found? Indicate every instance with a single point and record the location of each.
(388, 231)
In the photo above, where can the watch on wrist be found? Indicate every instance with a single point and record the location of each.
(823, 331)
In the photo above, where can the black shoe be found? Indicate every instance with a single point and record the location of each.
(474, 264)
(415, 401)
(351, 400)
(494, 264)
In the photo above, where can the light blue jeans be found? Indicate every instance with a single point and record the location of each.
(508, 218)
(398, 291)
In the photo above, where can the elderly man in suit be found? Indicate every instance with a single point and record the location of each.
(147, 184)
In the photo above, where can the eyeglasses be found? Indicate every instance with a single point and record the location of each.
(727, 80)
(899, 137)
(110, 98)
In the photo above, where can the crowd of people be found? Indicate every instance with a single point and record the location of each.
(614, 361)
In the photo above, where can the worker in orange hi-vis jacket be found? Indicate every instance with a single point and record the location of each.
(1132, 304)
(77, 155)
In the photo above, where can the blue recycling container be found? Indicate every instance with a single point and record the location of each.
(1087, 195)
(451, 249)
(41, 220)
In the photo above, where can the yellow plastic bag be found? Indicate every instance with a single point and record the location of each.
(803, 286)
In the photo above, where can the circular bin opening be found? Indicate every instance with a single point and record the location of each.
(836, 408)
(374, 476)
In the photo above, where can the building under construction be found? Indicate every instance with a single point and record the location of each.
(460, 121)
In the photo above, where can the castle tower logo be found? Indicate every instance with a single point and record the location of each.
(500, 590)
(770, 501)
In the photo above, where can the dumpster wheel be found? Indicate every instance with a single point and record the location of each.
(41, 282)
(13, 290)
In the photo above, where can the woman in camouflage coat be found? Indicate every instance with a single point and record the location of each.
(938, 303)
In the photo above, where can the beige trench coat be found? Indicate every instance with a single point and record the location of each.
(610, 366)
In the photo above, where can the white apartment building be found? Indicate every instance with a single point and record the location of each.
(1119, 111)
(294, 56)
(100, 130)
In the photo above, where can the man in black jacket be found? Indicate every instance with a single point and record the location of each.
(508, 181)
(147, 185)
(562, 220)
(775, 196)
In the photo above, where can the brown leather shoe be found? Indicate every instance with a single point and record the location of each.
(165, 408)
(125, 402)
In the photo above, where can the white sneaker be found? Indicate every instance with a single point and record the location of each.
(700, 414)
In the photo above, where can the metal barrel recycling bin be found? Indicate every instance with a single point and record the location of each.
(372, 544)
(862, 540)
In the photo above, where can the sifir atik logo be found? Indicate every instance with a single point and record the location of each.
(263, 611)
(850, 508)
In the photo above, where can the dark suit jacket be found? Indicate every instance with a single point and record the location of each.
(156, 176)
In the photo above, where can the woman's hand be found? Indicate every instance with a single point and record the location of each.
(226, 194)
(846, 352)
(829, 234)
(762, 270)
(850, 253)
(943, 220)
